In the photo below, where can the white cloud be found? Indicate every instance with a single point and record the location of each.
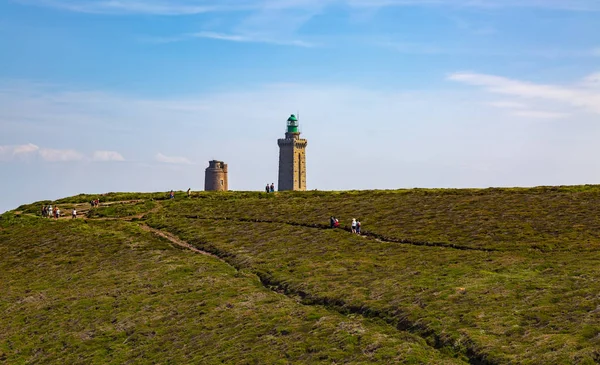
(172, 159)
(250, 38)
(574, 96)
(187, 7)
(54, 155)
(8, 153)
(539, 114)
(507, 105)
(154, 7)
(592, 81)
(107, 156)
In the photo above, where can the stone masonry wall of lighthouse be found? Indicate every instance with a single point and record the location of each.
(292, 163)
(216, 176)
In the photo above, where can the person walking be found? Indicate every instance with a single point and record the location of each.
(331, 221)
(74, 213)
(353, 225)
(267, 188)
(49, 212)
(189, 192)
(357, 226)
(272, 187)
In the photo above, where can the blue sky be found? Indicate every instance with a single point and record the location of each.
(118, 95)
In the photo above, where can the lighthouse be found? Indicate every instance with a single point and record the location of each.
(292, 158)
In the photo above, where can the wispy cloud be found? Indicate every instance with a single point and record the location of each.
(574, 96)
(436, 49)
(507, 105)
(154, 7)
(177, 160)
(107, 156)
(519, 109)
(187, 7)
(8, 153)
(55, 155)
(30, 150)
(250, 38)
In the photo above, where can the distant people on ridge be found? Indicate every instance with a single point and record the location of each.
(267, 188)
(189, 192)
(353, 225)
(357, 226)
(171, 195)
(272, 187)
(74, 214)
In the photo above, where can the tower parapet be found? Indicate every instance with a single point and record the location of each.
(216, 176)
(292, 158)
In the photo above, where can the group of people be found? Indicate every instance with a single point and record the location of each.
(270, 189)
(95, 203)
(355, 225)
(50, 212)
(54, 212)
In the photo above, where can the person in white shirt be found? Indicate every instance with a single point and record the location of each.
(353, 225)
(74, 213)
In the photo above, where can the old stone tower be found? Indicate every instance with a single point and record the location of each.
(292, 158)
(216, 176)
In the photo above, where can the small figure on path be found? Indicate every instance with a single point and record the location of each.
(353, 225)
(272, 187)
(189, 192)
(357, 226)
(74, 214)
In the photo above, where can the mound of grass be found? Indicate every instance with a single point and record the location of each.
(121, 210)
(504, 306)
(76, 292)
(522, 288)
(546, 219)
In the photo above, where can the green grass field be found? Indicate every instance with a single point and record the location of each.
(493, 276)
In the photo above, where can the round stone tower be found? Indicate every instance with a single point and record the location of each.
(292, 158)
(216, 176)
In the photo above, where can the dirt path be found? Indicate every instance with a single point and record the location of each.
(364, 234)
(177, 241)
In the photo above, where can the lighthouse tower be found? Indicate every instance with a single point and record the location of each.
(292, 158)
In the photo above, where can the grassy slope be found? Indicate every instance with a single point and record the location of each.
(504, 219)
(533, 300)
(80, 292)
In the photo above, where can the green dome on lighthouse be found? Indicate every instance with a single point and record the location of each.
(292, 124)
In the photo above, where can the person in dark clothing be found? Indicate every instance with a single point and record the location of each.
(272, 187)
(331, 221)
(267, 188)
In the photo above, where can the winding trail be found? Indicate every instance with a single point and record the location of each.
(365, 234)
(177, 241)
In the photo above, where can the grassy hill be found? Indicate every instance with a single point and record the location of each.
(492, 276)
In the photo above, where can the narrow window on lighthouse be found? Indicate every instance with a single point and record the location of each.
(299, 171)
